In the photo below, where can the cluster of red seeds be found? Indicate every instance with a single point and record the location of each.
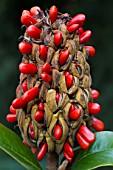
(84, 136)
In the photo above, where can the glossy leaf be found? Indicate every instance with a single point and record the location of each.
(12, 145)
(99, 154)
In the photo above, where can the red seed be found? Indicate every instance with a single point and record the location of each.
(69, 80)
(57, 132)
(43, 51)
(95, 94)
(25, 47)
(63, 56)
(69, 159)
(28, 20)
(39, 116)
(86, 134)
(18, 103)
(72, 108)
(11, 118)
(91, 50)
(98, 124)
(25, 143)
(35, 10)
(66, 74)
(32, 134)
(42, 152)
(34, 32)
(53, 12)
(80, 31)
(24, 86)
(68, 149)
(46, 77)
(73, 28)
(58, 38)
(12, 110)
(30, 94)
(31, 127)
(82, 142)
(57, 97)
(85, 36)
(26, 12)
(34, 150)
(75, 114)
(27, 68)
(94, 108)
(46, 68)
(41, 106)
(77, 19)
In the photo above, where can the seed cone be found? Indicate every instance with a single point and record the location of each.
(55, 83)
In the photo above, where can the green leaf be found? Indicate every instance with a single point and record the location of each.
(99, 154)
(12, 144)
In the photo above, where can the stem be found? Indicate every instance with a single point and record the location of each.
(52, 161)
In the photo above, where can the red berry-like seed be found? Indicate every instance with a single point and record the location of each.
(18, 103)
(25, 47)
(68, 149)
(77, 19)
(91, 50)
(39, 116)
(75, 114)
(53, 12)
(32, 134)
(25, 143)
(63, 56)
(28, 20)
(69, 159)
(24, 86)
(34, 32)
(46, 77)
(98, 124)
(35, 10)
(28, 68)
(42, 152)
(72, 108)
(34, 150)
(82, 142)
(12, 110)
(41, 106)
(73, 28)
(86, 134)
(69, 80)
(26, 12)
(57, 132)
(57, 38)
(85, 36)
(46, 68)
(80, 31)
(31, 127)
(11, 118)
(95, 94)
(94, 108)
(30, 94)
(57, 97)
(66, 73)
(43, 51)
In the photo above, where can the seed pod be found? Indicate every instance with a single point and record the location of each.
(35, 10)
(11, 118)
(25, 143)
(41, 106)
(69, 159)
(63, 56)
(28, 20)
(69, 80)
(53, 12)
(98, 124)
(39, 116)
(25, 47)
(85, 36)
(43, 51)
(34, 32)
(18, 103)
(94, 108)
(24, 86)
(57, 132)
(95, 94)
(77, 19)
(68, 150)
(12, 110)
(27, 68)
(34, 150)
(30, 94)
(91, 50)
(82, 142)
(46, 68)
(42, 152)
(86, 134)
(75, 114)
(46, 77)
(73, 28)
(57, 38)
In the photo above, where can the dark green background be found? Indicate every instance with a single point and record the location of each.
(99, 15)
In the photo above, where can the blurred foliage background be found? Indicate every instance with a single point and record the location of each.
(99, 15)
